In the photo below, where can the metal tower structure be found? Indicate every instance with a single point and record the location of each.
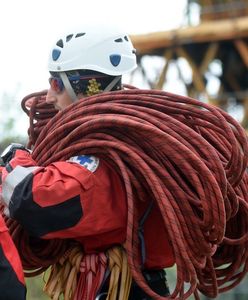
(210, 57)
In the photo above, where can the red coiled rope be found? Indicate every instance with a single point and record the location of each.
(188, 157)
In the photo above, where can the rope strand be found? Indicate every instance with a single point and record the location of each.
(188, 156)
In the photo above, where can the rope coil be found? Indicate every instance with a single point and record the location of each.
(188, 156)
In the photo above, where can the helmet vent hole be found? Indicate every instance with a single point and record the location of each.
(126, 38)
(120, 40)
(69, 37)
(60, 43)
(80, 34)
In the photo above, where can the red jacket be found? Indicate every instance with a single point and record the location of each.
(12, 286)
(82, 199)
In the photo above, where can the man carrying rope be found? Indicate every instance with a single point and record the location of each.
(83, 198)
(123, 183)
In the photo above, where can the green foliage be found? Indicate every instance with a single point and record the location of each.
(35, 288)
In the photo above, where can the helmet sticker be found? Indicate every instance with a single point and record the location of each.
(56, 54)
(89, 162)
(115, 59)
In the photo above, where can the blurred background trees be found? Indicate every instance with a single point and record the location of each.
(13, 122)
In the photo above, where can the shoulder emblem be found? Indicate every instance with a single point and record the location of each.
(89, 162)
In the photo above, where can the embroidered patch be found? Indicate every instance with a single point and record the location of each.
(89, 162)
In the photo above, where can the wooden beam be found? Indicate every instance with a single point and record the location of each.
(210, 31)
(196, 76)
(209, 56)
(244, 122)
(167, 56)
(243, 50)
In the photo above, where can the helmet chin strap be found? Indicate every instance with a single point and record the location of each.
(112, 84)
(71, 92)
(68, 86)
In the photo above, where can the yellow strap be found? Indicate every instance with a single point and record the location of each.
(120, 275)
(62, 278)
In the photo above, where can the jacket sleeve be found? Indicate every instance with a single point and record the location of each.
(66, 199)
(12, 284)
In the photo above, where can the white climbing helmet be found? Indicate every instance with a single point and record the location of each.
(101, 48)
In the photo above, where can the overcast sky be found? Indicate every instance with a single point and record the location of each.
(28, 28)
